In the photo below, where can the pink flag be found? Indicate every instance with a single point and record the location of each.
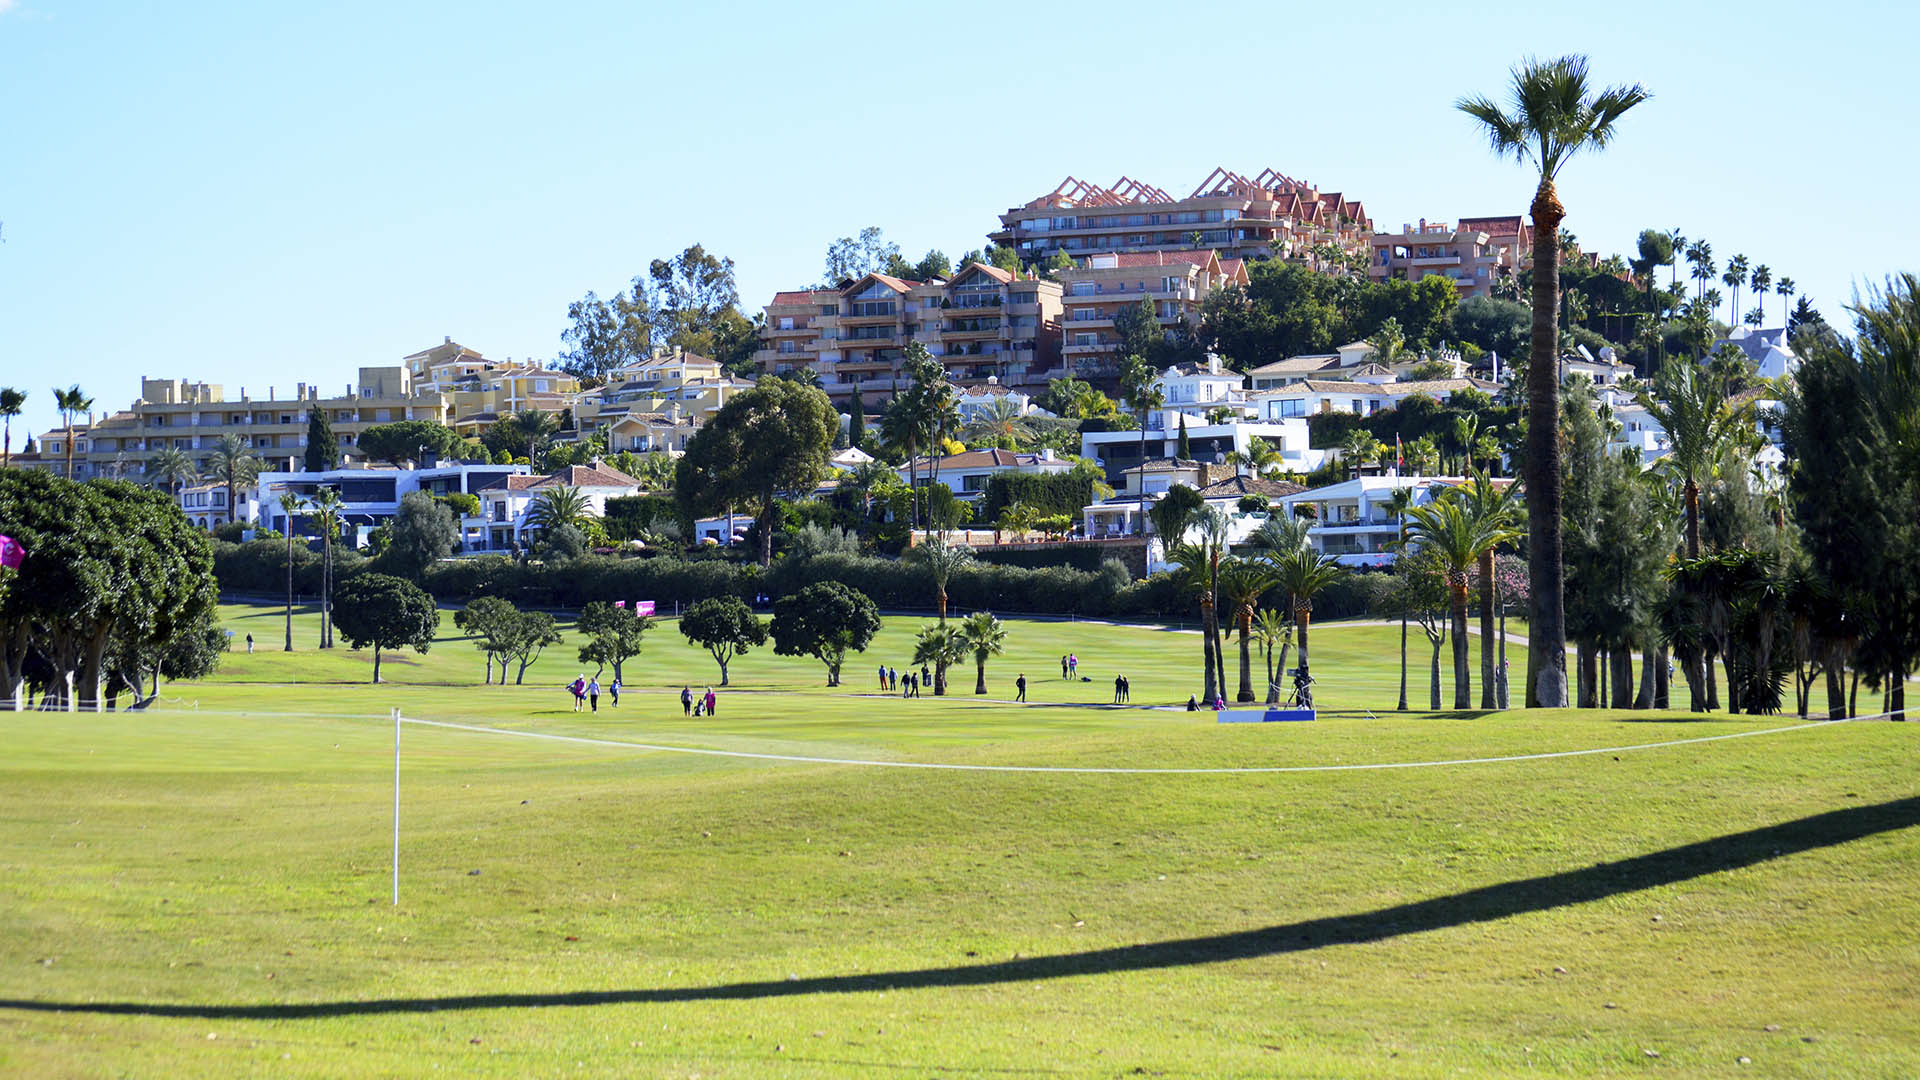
(643, 607)
(11, 553)
(619, 603)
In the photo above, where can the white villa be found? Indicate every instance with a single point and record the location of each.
(1351, 518)
(1120, 450)
(1373, 388)
(967, 474)
(371, 497)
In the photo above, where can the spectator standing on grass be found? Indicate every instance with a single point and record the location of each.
(686, 700)
(613, 691)
(578, 688)
(1020, 685)
(711, 701)
(593, 693)
(926, 676)
(1063, 665)
(1118, 683)
(1126, 690)
(883, 677)
(249, 644)
(893, 679)
(1073, 665)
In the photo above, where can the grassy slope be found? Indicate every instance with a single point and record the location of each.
(226, 860)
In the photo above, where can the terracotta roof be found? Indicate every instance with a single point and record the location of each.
(1398, 389)
(1161, 258)
(1508, 225)
(801, 296)
(994, 272)
(894, 283)
(602, 475)
(1250, 485)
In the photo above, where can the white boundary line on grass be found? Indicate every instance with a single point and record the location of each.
(804, 759)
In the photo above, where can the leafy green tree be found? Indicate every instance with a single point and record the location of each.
(532, 428)
(1183, 449)
(609, 334)
(12, 403)
(1175, 512)
(1553, 118)
(857, 422)
(528, 633)
(985, 637)
(1272, 630)
(562, 543)
(725, 626)
(772, 438)
(323, 447)
(825, 620)
(492, 623)
(406, 440)
(1699, 426)
(386, 613)
(1499, 507)
(327, 514)
(1140, 385)
(852, 258)
(941, 646)
(1452, 528)
(423, 532)
(614, 635)
(1418, 591)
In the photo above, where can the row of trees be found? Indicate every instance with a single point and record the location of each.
(689, 301)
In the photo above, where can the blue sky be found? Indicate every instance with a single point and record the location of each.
(261, 194)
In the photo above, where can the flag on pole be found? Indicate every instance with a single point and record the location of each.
(11, 553)
(619, 603)
(1399, 456)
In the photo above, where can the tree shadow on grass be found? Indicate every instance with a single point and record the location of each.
(1489, 903)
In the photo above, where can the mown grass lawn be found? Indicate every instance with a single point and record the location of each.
(206, 893)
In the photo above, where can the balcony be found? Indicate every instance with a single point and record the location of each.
(1435, 260)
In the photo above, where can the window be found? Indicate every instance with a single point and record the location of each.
(829, 309)
(786, 322)
(1086, 339)
(1024, 298)
(1356, 405)
(541, 386)
(1083, 288)
(1286, 407)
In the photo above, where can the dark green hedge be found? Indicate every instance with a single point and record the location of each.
(1063, 493)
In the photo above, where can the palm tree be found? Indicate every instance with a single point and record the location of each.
(558, 506)
(1388, 345)
(1279, 534)
(535, 426)
(943, 558)
(1451, 529)
(1199, 562)
(941, 406)
(12, 403)
(234, 465)
(1785, 291)
(1762, 279)
(1259, 459)
(1679, 241)
(941, 646)
(327, 510)
(1735, 277)
(1242, 583)
(1358, 447)
(902, 424)
(1699, 427)
(1553, 119)
(1700, 256)
(1139, 384)
(290, 504)
(986, 637)
(1399, 501)
(170, 468)
(1001, 423)
(1304, 574)
(71, 402)
(1499, 506)
(1270, 629)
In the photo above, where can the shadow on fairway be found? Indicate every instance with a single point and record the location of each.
(1485, 904)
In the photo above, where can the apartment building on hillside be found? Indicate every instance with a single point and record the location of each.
(1174, 282)
(1269, 216)
(192, 416)
(983, 322)
(1470, 256)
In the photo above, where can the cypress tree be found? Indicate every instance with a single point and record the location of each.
(1185, 451)
(857, 422)
(323, 450)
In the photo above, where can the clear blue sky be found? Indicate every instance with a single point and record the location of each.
(264, 193)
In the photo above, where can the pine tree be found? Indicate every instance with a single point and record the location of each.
(857, 422)
(1185, 451)
(323, 450)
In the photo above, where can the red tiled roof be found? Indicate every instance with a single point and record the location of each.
(602, 475)
(803, 296)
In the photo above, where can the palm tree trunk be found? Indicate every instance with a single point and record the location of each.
(1602, 658)
(1433, 676)
(1279, 672)
(1621, 661)
(1836, 699)
(1853, 694)
(979, 676)
(1546, 652)
(1506, 701)
(1303, 616)
(1644, 700)
(1141, 525)
(1206, 647)
(1897, 699)
(1712, 680)
(1246, 657)
(1273, 688)
(1402, 707)
(1662, 679)
(1690, 491)
(1462, 676)
(1489, 694)
(1586, 697)
(289, 583)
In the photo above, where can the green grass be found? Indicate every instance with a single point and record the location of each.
(210, 892)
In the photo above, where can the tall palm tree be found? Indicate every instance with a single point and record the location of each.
(1679, 240)
(1271, 630)
(1140, 385)
(534, 426)
(1450, 528)
(1399, 501)
(1279, 534)
(71, 402)
(942, 411)
(1260, 458)
(1700, 257)
(235, 465)
(12, 403)
(170, 468)
(1499, 506)
(903, 426)
(985, 637)
(1001, 423)
(1305, 574)
(1242, 582)
(290, 504)
(1553, 119)
(558, 506)
(943, 558)
(1199, 562)
(1686, 401)
(1735, 277)
(1785, 291)
(327, 510)
(1762, 280)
